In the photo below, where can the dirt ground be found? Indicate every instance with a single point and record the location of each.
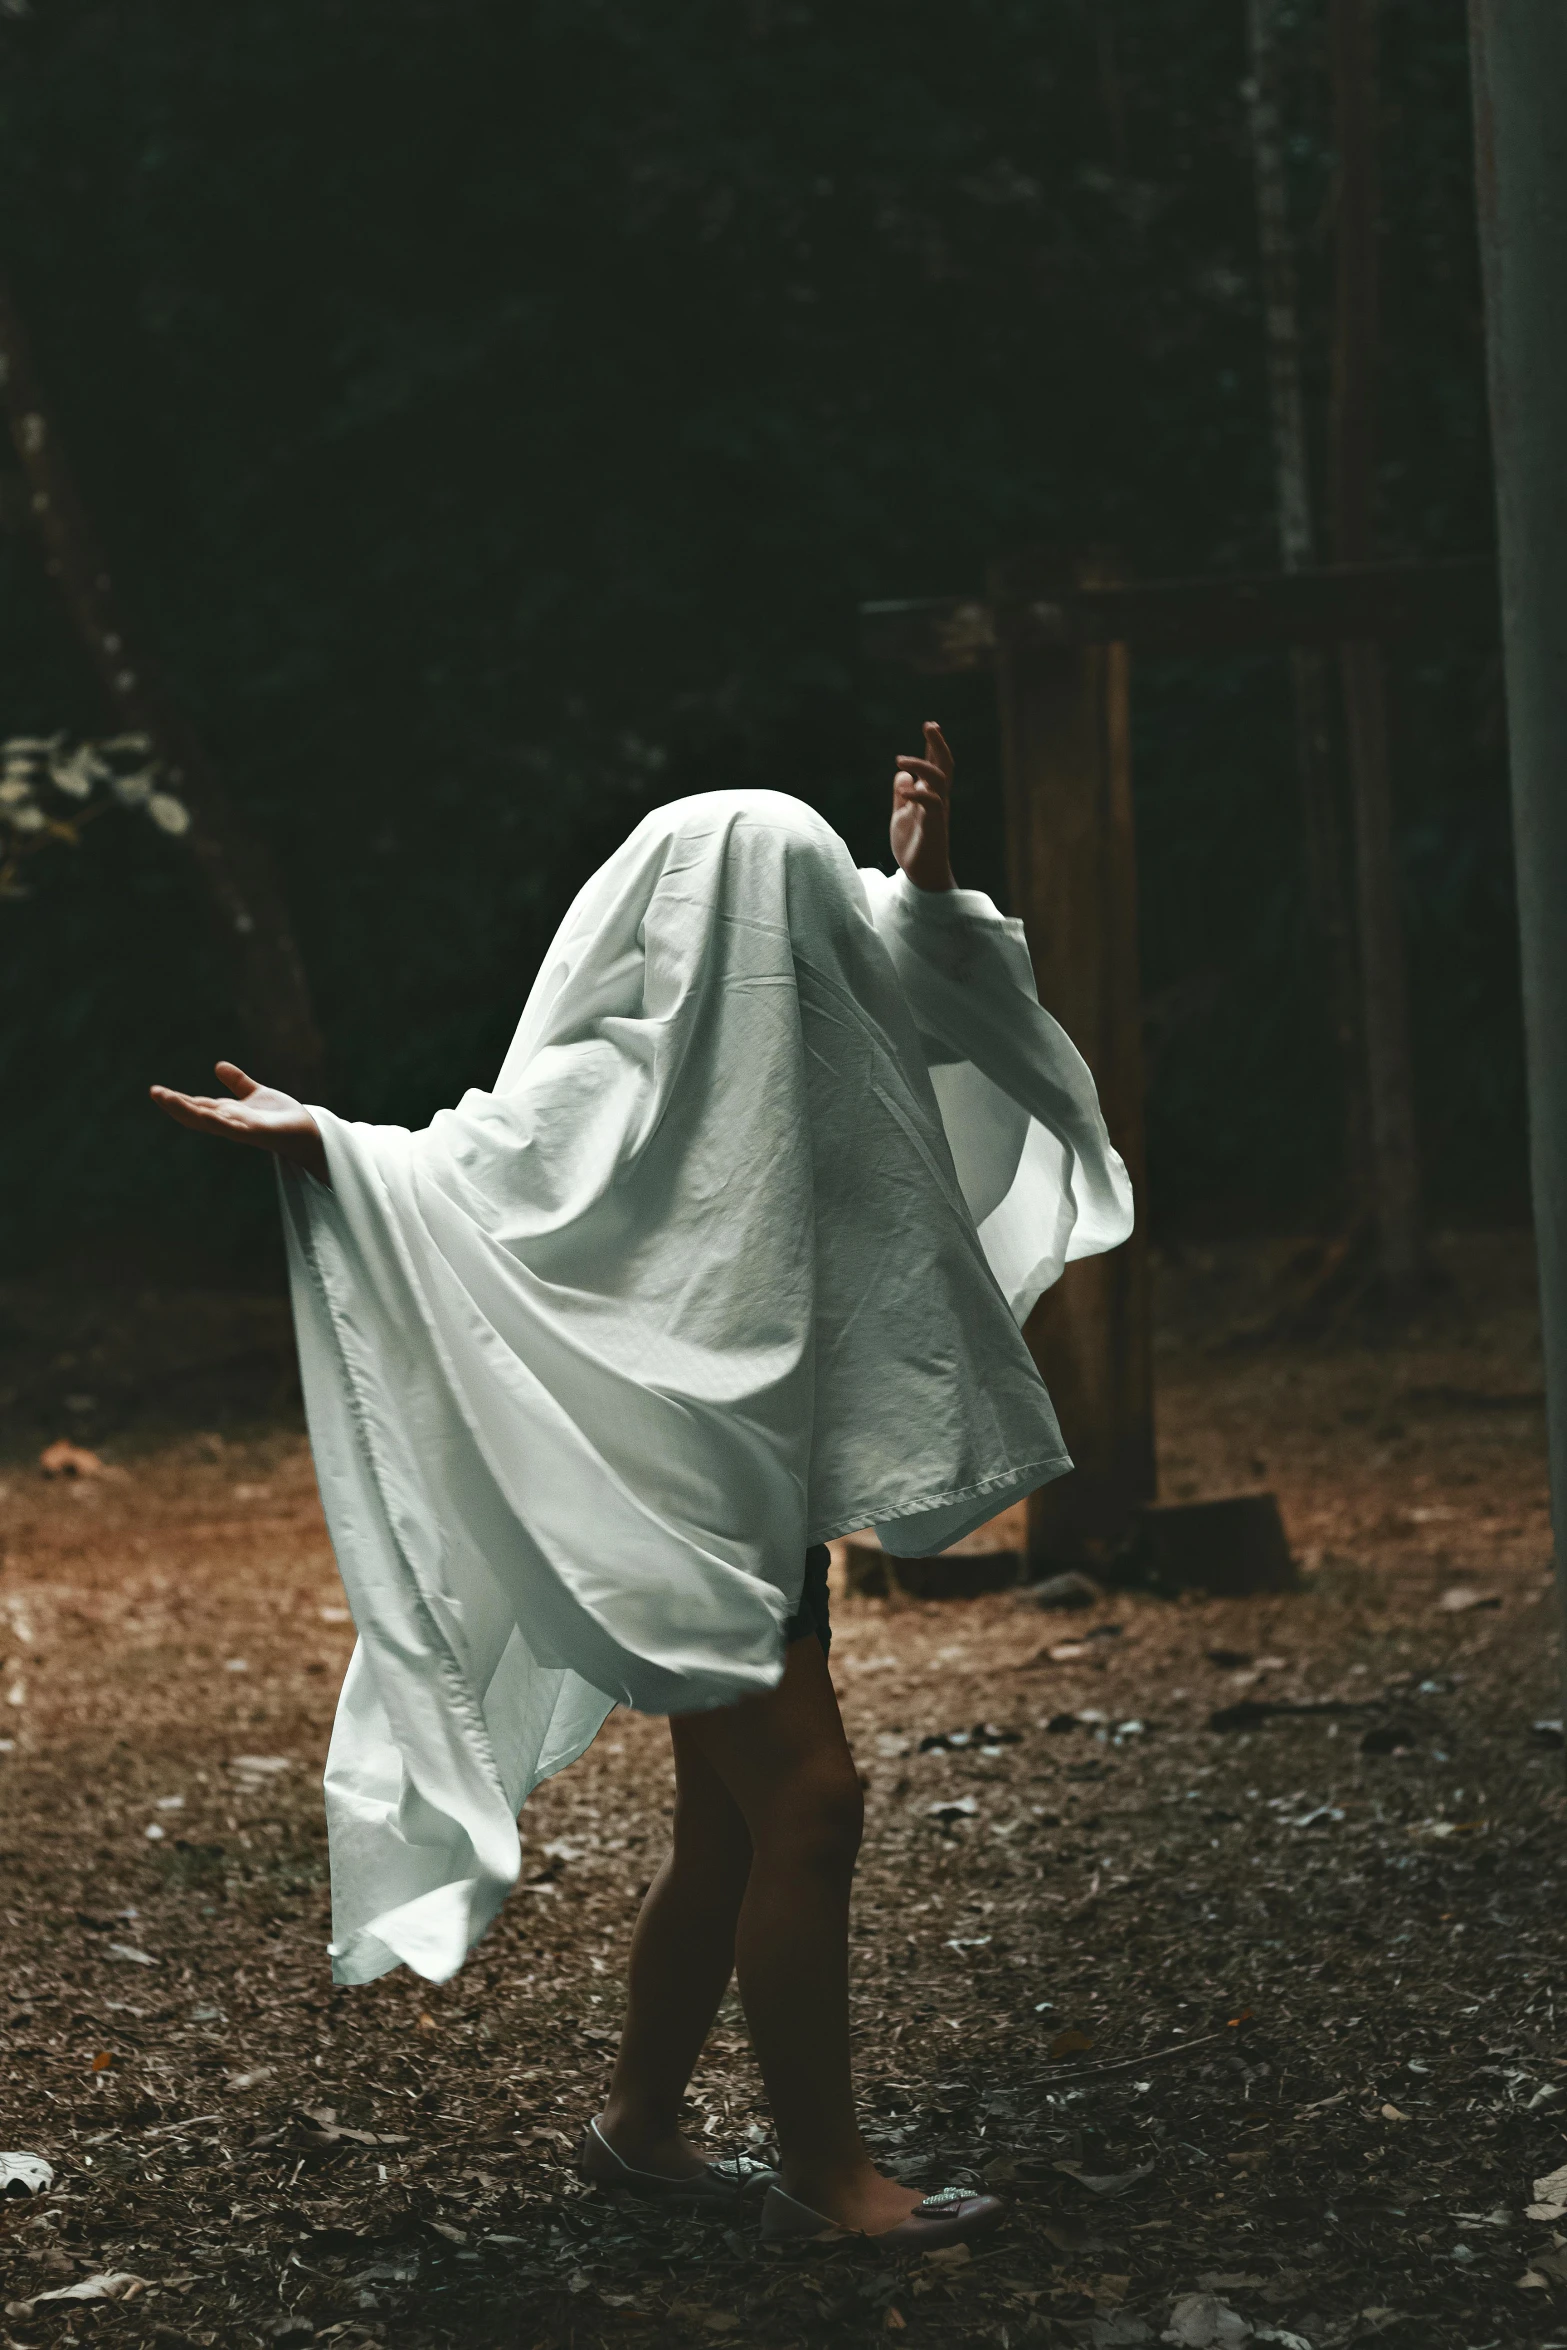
(1261, 2016)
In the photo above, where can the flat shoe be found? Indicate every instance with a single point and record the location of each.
(734, 2178)
(950, 2216)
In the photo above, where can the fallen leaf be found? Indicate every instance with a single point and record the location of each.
(1460, 1600)
(64, 1459)
(1322, 2105)
(962, 1807)
(895, 2322)
(948, 2256)
(1071, 2042)
(325, 2126)
(1070, 1590)
(103, 2060)
(25, 2174)
(1106, 2182)
(1391, 2113)
(1201, 2321)
(110, 2285)
(128, 1950)
(1551, 2187)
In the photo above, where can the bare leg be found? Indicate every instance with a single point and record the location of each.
(682, 1956)
(785, 1762)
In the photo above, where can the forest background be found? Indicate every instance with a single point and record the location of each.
(497, 415)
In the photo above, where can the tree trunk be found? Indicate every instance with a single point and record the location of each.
(1326, 862)
(1394, 1147)
(1112, 90)
(1519, 49)
(241, 886)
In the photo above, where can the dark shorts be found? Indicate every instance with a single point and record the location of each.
(811, 1614)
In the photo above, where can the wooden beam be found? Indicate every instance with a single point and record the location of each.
(1332, 604)
(1071, 856)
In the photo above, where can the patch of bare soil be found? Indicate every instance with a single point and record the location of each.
(1255, 2028)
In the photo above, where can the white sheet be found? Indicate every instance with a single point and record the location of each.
(705, 1278)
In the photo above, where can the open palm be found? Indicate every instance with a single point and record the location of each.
(256, 1114)
(922, 813)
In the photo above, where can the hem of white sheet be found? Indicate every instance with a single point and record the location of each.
(987, 1494)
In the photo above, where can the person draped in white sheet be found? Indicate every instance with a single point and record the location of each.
(732, 1259)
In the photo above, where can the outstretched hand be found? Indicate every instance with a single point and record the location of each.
(921, 813)
(258, 1114)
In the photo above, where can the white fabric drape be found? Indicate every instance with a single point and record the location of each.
(730, 1260)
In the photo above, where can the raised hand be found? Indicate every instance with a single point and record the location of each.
(258, 1115)
(921, 812)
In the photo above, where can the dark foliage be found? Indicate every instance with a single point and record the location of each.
(498, 413)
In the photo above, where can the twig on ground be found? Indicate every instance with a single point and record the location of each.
(1133, 2064)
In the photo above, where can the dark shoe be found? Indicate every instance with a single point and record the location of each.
(950, 2216)
(733, 2179)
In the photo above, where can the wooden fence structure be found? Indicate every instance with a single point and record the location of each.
(1059, 632)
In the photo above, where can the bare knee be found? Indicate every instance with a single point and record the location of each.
(818, 1820)
(710, 1847)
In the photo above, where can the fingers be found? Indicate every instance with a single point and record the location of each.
(235, 1079)
(908, 794)
(205, 1116)
(928, 772)
(917, 789)
(202, 1114)
(937, 749)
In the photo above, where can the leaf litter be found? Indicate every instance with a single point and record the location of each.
(1312, 1976)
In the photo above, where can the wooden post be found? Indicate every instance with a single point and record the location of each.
(1066, 752)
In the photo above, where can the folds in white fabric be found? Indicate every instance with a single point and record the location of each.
(1019, 1102)
(589, 1361)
